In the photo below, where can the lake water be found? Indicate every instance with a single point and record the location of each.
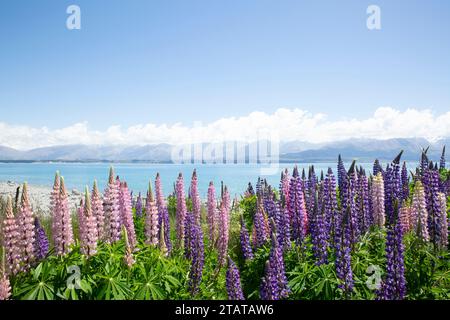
(138, 175)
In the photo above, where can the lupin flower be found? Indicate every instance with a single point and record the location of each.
(163, 215)
(332, 214)
(377, 168)
(63, 239)
(419, 214)
(126, 213)
(392, 187)
(262, 233)
(41, 244)
(11, 240)
(97, 211)
(284, 187)
(181, 210)
(196, 202)
(442, 160)
(233, 282)
(223, 233)
(90, 236)
(297, 208)
(365, 219)
(80, 216)
(378, 200)
(343, 256)
(151, 219)
(212, 213)
(111, 209)
(319, 233)
(341, 172)
(405, 182)
(25, 223)
(138, 206)
(405, 218)
(162, 240)
(54, 206)
(128, 258)
(246, 248)
(5, 286)
(431, 185)
(394, 285)
(226, 199)
(274, 285)
(198, 257)
(443, 240)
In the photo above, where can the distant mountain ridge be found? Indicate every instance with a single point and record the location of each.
(293, 151)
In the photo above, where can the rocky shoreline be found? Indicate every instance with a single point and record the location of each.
(39, 195)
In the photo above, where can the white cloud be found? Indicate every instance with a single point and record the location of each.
(288, 124)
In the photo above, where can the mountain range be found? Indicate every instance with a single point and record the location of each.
(293, 151)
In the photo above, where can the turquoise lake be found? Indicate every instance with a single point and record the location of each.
(138, 175)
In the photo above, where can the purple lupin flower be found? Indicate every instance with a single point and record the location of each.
(343, 255)
(233, 282)
(198, 257)
(284, 187)
(342, 173)
(431, 185)
(212, 213)
(394, 285)
(262, 233)
(188, 221)
(310, 192)
(350, 202)
(41, 243)
(274, 285)
(442, 160)
(377, 168)
(181, 210)
(392, 187)
(319, 233)
(331, 212)
(196, 202)
(246, 248)
(97, 211)
(365, 219)
(405, 182)
(138, 206)
(297, 208)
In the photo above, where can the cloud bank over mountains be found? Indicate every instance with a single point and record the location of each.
(287, 124)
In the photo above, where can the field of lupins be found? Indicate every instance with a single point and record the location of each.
(344, 235)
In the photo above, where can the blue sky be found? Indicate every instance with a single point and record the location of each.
(174, 61)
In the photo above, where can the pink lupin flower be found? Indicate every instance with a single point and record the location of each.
(212, 213)
(378, 200)
(90, 235)
(163, 215)
(162, 240)
(223, 232)
(126, 213)
(97, 211)
(151, 219)
(65, 241)
(80, 216)
(111, 210)
(405, 218)
(10, 238)
(181, 210)
(5, 286)
(196, 202)
(420, 213)
(25, 225)
(443, 241)
(54, 207)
